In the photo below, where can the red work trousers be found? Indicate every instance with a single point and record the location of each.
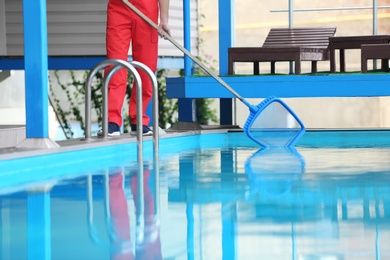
(125, 27)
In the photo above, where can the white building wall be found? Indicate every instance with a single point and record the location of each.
(12, 111)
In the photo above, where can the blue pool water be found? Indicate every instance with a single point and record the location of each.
(217, 196)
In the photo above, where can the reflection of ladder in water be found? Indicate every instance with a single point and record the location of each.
(131, 67)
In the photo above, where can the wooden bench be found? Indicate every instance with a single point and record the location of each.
(286, 44)
(375, 51)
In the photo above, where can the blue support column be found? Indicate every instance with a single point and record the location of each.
(226, 38)
(36, 68)
(185, 110)
(186, 105)
(36, 76)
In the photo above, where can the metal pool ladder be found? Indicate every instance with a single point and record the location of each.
(131, 67)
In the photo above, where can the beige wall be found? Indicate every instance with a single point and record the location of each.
(253, 22)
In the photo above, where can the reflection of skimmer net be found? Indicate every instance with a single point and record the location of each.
(270, 123)
(273, 171)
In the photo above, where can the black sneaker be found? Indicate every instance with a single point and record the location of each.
(145, 130)
(113, 130)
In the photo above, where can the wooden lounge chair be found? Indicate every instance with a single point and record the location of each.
(286, 44)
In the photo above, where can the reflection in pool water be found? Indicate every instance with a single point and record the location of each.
(212, 203)
(272, 172)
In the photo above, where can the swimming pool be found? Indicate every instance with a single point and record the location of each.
(219, 197)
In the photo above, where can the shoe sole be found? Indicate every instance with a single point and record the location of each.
(114, 134)
(144, 134)
(110, 134)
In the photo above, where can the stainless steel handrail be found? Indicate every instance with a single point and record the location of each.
(118, 64)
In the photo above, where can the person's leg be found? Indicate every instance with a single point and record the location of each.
(121, 245)
(118, 37)
(145, 50)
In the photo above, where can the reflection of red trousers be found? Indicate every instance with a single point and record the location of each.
(123, 27)
(151, 246)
